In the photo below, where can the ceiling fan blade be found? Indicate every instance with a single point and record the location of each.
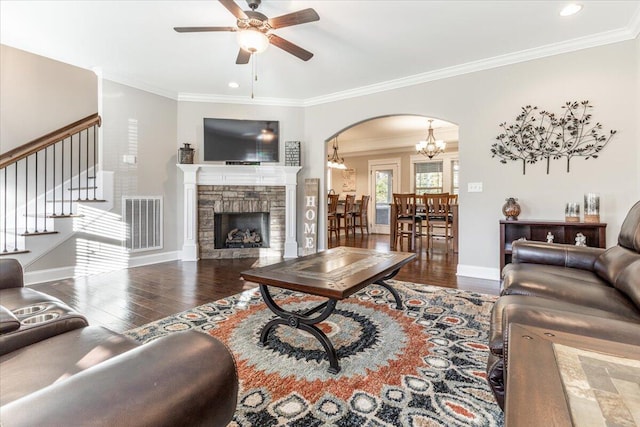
(293, 49)
(234, 9)
(295, 18)
(203, 29)
(243, 57)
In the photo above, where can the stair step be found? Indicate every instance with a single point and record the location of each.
(8, 253)
(89, 200)
(37, 233)
(65, 216)
(82, 188)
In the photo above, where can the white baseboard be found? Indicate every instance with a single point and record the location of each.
(478, 272)
(48, 275)
(52, 274)
(139, 261)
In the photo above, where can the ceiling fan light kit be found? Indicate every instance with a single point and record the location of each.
(252, 40)
(431, 147)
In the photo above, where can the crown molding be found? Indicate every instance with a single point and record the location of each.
(595, 40)
(225, 99)
(628, 32)
(138, 84)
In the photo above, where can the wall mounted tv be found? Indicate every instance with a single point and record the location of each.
(241, 140)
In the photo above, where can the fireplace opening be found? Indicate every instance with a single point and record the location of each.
(241, 230)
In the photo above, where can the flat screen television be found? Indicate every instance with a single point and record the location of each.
(241, 140)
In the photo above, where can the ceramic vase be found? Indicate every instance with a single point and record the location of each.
(511, 209)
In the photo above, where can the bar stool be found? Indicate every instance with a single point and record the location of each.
(360, 216)
(408, 224)
(346, 219)
(332, 216)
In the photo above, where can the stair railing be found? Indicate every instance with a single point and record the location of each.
(43, 179)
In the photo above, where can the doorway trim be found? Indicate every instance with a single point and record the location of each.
(396, 165)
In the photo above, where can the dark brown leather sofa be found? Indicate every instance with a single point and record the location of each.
(581, 290)
(57, 370)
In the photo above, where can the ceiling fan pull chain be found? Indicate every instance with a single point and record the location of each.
(253, 71)
(256, 65)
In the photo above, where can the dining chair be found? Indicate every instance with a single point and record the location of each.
(360, 216)
(346, 218)
(407, 222)
(332, 215)
(439, 218)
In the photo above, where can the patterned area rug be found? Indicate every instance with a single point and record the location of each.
(420, 366)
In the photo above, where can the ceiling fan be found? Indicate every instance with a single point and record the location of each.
(255, 30)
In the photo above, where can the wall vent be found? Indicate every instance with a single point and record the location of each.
(143, 218)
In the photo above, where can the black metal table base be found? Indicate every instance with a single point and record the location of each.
(306, 320)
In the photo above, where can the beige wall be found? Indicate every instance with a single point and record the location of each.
(135, 123)
(141, 124)
(190, 129)
(39, 95)
(478, 102)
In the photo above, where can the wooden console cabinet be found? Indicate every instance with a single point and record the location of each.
(563, 232)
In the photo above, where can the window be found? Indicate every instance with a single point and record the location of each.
(428, 177)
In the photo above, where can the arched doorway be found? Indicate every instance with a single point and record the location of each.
(380, 158)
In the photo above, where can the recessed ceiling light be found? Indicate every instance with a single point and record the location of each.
(234, 85)
(571, 9)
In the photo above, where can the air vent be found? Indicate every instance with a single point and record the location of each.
(143, 217)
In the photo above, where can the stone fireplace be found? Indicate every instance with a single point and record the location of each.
(211, 191)
(224, 209)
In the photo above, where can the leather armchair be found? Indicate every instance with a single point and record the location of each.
(586, 291)
(23, 311)
(59, 371)
(186, 378)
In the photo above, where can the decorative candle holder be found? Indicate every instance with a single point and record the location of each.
(591, 207)
(572, 212)
(185, 154)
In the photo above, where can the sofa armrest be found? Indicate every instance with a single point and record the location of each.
(583, 257)
(11, 274)
(186, 378)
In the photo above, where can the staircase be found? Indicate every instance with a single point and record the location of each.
(50, 189)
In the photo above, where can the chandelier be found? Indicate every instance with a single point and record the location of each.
(335, 161)
(431, 147)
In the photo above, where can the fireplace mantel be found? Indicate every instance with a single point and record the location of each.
(211, 174)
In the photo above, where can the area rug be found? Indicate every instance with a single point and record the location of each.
(420, 366)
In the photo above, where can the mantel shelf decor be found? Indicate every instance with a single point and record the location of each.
(530, 139)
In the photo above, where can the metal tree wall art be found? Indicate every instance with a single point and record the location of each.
(541, 135)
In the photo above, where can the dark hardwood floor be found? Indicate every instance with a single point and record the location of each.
(124, 299)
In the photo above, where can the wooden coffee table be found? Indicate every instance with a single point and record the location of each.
(334, 274)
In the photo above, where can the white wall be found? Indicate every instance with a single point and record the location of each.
(39, 95)
(478, 102)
